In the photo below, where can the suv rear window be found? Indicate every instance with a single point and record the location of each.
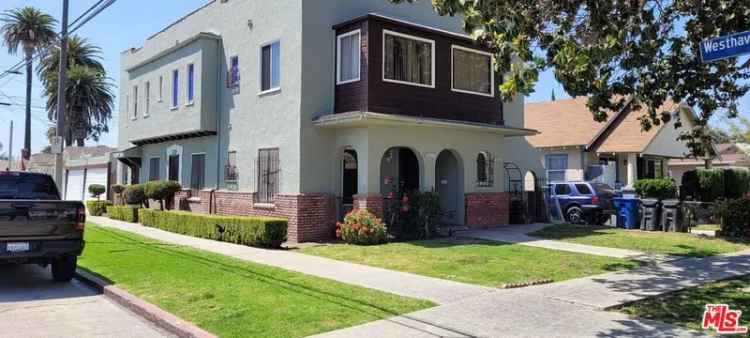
(17, 186)
(583, 189)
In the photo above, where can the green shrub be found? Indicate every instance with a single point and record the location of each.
(97, 190)
(97, 208)
(252, 231)
(135, 195)
(656, 188)
(161, 191)
(123, 213)
(362, 228)
(736, 182)
(735, 217)
(711, 183)
(118, 189)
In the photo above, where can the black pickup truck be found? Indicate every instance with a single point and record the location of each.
(36, 227)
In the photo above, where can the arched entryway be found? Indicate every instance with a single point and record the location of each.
(349, 175)
(399, 172)
(536, 207)
(449, 185)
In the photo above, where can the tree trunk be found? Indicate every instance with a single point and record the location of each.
(26, 152)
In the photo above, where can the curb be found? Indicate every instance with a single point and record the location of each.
(142, 308)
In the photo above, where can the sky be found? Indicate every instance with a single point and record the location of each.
(127, 24)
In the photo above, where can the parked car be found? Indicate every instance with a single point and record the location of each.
(582, 202)
(36, 227)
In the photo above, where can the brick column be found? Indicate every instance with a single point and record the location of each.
(486, 210)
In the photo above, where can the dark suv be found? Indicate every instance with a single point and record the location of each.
(582, 202)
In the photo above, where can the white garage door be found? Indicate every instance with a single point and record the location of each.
(95, 176)
(74, 187)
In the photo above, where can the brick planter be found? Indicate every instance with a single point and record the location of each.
(486, 210)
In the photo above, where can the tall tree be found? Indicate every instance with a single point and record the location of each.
(89, 102)
(30, 29)
(80, 52)
(611, 51)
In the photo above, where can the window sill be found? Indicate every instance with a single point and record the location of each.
(266, 206)
(432, 86)
(338, 83)
(472, 93)
(270, 92)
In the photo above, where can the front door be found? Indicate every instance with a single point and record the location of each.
(174, 168)
(447, 186)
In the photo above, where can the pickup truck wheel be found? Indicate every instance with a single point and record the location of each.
(575, 215)
(64, 268)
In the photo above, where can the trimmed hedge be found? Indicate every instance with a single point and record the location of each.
(736, 182)
(125, 213)
(97, 208)
(251, 231)
(656, 188)
(709, 185)
(735, 217)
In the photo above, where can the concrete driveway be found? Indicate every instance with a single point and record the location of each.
(31, 305)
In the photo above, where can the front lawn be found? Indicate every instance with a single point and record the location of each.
(233, 298)
(678, 244)
(685, 308)
(707, 227)
(474, 261)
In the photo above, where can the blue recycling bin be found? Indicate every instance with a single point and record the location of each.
(627, 212)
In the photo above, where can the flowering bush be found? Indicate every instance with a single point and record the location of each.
(362, 228)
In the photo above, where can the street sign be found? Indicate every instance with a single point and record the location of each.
(725, 47)
(56, 144)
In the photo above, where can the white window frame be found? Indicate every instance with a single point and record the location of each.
(338, 57)
(147, 92)
(564, 171)
(432, 44)
(189, 102)
(260, 68)
(492, 71)
(161, 88)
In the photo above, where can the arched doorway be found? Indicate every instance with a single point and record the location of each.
(449, 186)
(399, 172)
(349, 174)
(536, 206)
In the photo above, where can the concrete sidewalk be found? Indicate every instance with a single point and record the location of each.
(439, 291)
(518, 235)
(566, 309)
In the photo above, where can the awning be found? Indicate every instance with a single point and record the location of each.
(131, 157)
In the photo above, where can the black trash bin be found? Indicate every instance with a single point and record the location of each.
(671, 218)
(650, 215)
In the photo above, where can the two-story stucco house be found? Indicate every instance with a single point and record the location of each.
(304, 109)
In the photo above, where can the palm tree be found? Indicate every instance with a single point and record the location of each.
(30, 29)
(80, 52)
(89, 102)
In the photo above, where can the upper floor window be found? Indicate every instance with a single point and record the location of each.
(161, 87)
(472, 71)
(135, 102)
(233, 78)
(408, 59)
(175, 88)
(348, 56)
(148, 99)
(485, 170)
(270, 67)
(190, 83)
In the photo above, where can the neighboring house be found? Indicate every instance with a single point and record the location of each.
(84, 166)
(617, 152)
(728, 155)
(305, 109)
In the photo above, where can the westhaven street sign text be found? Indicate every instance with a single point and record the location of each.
(725, 47)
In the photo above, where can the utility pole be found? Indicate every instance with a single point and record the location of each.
(62, 78)
(10, 148)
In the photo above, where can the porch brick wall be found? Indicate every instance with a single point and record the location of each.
(485, 210)
(311, 217)
(375, 204)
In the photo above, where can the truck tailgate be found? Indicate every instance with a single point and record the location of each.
(34, 219)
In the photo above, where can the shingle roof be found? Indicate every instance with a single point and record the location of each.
(561, 123)
(570, 123)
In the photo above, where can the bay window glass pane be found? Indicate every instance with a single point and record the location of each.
(408, 60)
(349, 57)
(472, 71)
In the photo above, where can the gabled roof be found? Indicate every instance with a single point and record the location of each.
(562, 123)
(569, 123)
